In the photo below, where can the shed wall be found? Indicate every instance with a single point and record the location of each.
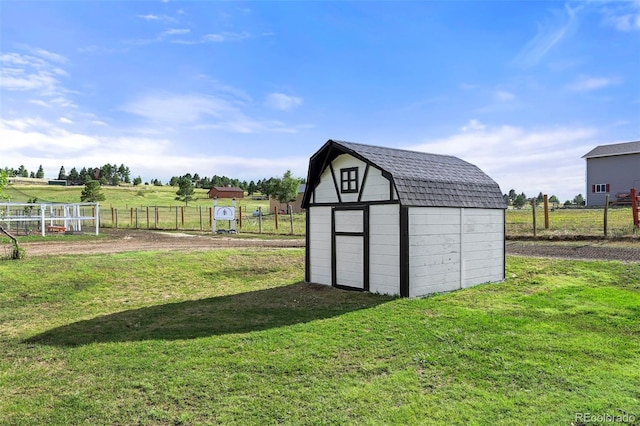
(384, 252)
(434, 250)
(320, 244)
(451, 248)
(483, 246)
(375, 188)
(325, 191)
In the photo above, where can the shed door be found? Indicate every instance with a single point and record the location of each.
(350, 253)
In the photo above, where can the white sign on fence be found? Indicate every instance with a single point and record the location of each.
(224, 213)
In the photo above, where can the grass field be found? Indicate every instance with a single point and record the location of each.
(234, 337)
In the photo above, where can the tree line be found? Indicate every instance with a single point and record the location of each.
(520, 200)
(284, 188)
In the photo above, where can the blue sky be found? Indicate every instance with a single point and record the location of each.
(251, 89)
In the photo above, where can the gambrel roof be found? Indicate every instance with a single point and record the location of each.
(614, 149)
(420, 179)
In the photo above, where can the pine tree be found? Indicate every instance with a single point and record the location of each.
(62, 174)
(185, 193)
(40, 172)
(92, 192)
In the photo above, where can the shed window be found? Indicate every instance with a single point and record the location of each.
(601, 187)
(349, 180)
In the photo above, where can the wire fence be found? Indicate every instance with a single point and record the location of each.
(200, 218)
(571, 222)
(556, 222)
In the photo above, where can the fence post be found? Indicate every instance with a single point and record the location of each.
(240, 212)
(606, 213)
(116, 210)
(156, 215)
(182, 212)
(113, 218)
(42, 225)
(213, 222)
(634, 208)
(131, 217)
(176, 217)
(291, 217)
(97, 211)
(147, 217)
(533, 210)
(260, 219)
(275, 211)
(546, 211)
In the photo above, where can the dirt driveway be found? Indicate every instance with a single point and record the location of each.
(120, 240)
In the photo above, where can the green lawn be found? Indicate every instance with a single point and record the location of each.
(233, 336)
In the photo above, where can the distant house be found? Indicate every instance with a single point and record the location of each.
(226, 192)
(612, 169)
(296, 206)
(401, 222)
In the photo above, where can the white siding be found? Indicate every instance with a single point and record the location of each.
(345, 161)
(434, 250)
(325, 191)
(376, 188)
(452, 248)
(320, 244)
(350, 261)
(349, 220)
(384, 249)
(483, 246)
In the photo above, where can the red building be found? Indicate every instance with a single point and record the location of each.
(226, 192)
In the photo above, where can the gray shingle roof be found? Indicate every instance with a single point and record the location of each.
(421, 179)
(614, 149)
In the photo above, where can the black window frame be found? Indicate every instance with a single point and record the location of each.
(349, 180)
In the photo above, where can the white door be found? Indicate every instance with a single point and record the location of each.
(350, 265)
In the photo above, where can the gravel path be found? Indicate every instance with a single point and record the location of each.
(585, 251)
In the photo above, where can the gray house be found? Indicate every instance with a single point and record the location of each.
(612, 169)
(401, 222)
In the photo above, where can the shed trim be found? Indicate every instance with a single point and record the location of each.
(404, 251)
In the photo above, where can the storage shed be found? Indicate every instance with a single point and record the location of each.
(226, 192)
(401, 222)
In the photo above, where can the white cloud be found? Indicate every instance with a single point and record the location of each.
(33, 141)
(549, 34)
(504, 96)
(226, 36)
(623, 16)
(51, 56)
(584, 83)
(282, 102)
(39, 102)
(149, 17)
(176, 31)
(65, 120)
(527, 160)
(472, 125)
(201, 112)
(20, 72)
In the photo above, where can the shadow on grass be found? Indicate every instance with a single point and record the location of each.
(238, 313)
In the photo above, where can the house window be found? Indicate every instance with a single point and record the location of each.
(349, 180)
(601, 187)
